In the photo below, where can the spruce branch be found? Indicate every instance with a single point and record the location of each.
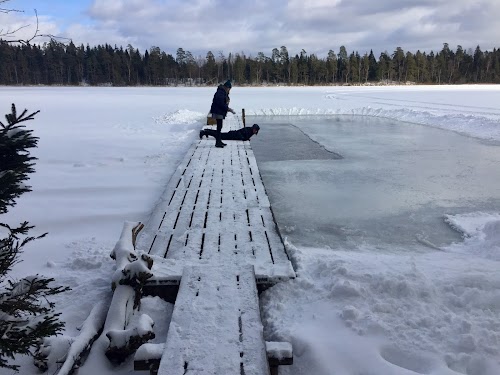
(26, 313)
(15, 160)
(13, 118)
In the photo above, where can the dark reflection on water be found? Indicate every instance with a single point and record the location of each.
(390, 189)
(287, 142)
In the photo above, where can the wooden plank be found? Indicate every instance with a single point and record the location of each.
(272, 237)
(189, 167)
(256, 179)
(168, 272)
(209, 335)
(260, 235)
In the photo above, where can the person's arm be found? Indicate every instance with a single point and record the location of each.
(229, 109)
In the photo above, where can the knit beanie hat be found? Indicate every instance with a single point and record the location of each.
(228, 84)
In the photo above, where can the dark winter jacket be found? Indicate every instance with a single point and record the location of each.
(220, 102)
(244, 133)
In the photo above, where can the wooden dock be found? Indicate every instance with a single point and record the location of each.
(214, 243)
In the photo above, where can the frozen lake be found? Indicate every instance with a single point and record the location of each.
(347, 182)
(106, 155)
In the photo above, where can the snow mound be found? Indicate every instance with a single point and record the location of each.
(180, 117)
(471, 224)
(409, 318)
(481, 233)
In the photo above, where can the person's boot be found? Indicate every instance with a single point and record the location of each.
(219, 144)
(224, 144)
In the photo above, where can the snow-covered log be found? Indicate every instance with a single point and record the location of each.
(132, 272)
(148, 356)
(107, 324)
(71, 351)
(132, 269)
(52, 352)
(122, 343)
(124, 250)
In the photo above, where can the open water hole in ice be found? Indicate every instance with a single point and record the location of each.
(348, 182)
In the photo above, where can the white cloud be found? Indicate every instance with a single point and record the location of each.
(107, 9)
(311, 9)
(261, 25)
(25, 26)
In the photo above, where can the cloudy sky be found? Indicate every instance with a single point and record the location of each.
(253, 26)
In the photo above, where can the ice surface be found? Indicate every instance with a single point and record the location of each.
(285, 142)
(393, 185)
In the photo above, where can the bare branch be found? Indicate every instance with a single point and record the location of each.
(7, 33)
(53, 37)
(5, 10)
(10, 10)
(36, 34)
(23, 41)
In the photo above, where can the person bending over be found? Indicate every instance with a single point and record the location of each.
(243, 134)
(220, 108)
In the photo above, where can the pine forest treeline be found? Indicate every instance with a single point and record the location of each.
(55, 63)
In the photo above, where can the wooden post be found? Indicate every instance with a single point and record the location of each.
(243, 117)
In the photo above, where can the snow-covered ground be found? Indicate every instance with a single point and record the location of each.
(105, 155)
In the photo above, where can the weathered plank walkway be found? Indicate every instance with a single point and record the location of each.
(214, 240)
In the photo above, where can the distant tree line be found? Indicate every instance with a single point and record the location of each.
(55, 63)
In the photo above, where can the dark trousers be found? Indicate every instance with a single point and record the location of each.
(218, 131)
(231, 135)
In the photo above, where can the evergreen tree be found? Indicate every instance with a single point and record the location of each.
(332, 66)
(285, 61)
(55, 63)
(221, 67)
(294, 70)
(478, 62)
(259, 66)
(496, 65)
(239, 68)
(459, 64)
(420, 66)
(398, 63)
(191, 66)
(365, 67)
(211, 68)
(303, 68)
(26, 314)
(411, 67)
(384, 67)
(276, 64)
(432, 64)
(373, 66)
(354, 67)
(343, 64)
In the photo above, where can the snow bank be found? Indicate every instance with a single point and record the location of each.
(376, 312)
(481, 233)
(180, 118)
